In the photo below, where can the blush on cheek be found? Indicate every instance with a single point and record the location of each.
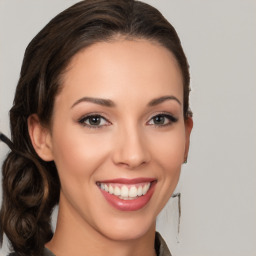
(80, 155)
(171, 152)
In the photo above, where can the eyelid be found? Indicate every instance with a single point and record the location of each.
(172, 119)
(87, 116)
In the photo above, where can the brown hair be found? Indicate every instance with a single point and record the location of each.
(30, 185)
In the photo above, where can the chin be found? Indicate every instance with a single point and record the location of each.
(130, 228)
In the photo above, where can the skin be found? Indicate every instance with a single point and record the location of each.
(128, 143)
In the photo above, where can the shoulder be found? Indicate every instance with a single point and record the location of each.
(47, 252)
(161, 246)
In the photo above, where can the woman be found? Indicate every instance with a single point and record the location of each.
(100, 126)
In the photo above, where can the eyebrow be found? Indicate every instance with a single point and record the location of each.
(110, 103)
(99, 101)
(157, 101)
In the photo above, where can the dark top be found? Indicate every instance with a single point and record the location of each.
(160, 247)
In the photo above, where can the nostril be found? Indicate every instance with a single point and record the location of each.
(132, 163)
(131, 149)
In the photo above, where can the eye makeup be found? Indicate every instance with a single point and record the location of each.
(162, 119)
(94, 121)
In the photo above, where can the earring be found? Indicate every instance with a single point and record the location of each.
(178, 195)
(185, 160)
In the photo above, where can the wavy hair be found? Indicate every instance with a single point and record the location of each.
(30, 185)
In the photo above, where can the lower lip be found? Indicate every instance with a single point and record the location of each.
(129, 205)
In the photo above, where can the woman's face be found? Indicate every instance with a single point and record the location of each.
(118, 136)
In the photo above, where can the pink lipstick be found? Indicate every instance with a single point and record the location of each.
(127, 194)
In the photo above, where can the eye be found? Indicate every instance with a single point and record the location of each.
(94, 121)
(162, 120)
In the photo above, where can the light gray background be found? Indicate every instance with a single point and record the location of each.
(218, 185)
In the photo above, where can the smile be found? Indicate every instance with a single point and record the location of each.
(127, 194)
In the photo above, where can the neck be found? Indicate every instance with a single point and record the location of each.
(74, 236)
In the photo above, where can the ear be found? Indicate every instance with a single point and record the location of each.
(188, 129)
(40, 138)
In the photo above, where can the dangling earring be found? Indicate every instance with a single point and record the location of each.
(185, 160)
(178, 195)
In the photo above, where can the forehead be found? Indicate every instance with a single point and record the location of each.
(136, 67)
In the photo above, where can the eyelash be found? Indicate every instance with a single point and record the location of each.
(83, 120)
(171, 119)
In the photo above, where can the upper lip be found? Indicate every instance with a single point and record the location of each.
(128, 181)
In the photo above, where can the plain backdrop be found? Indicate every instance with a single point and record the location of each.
(218, 184)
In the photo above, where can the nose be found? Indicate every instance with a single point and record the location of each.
(131, 149)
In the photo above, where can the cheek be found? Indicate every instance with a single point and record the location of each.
(168, 155)
(169, 149)
(78, 158)
(78, 155)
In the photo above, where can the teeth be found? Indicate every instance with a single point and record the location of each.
(133, 192)
(140, 191)
(117, 191)
(111, 190)
(145, 189)
(126, 192)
